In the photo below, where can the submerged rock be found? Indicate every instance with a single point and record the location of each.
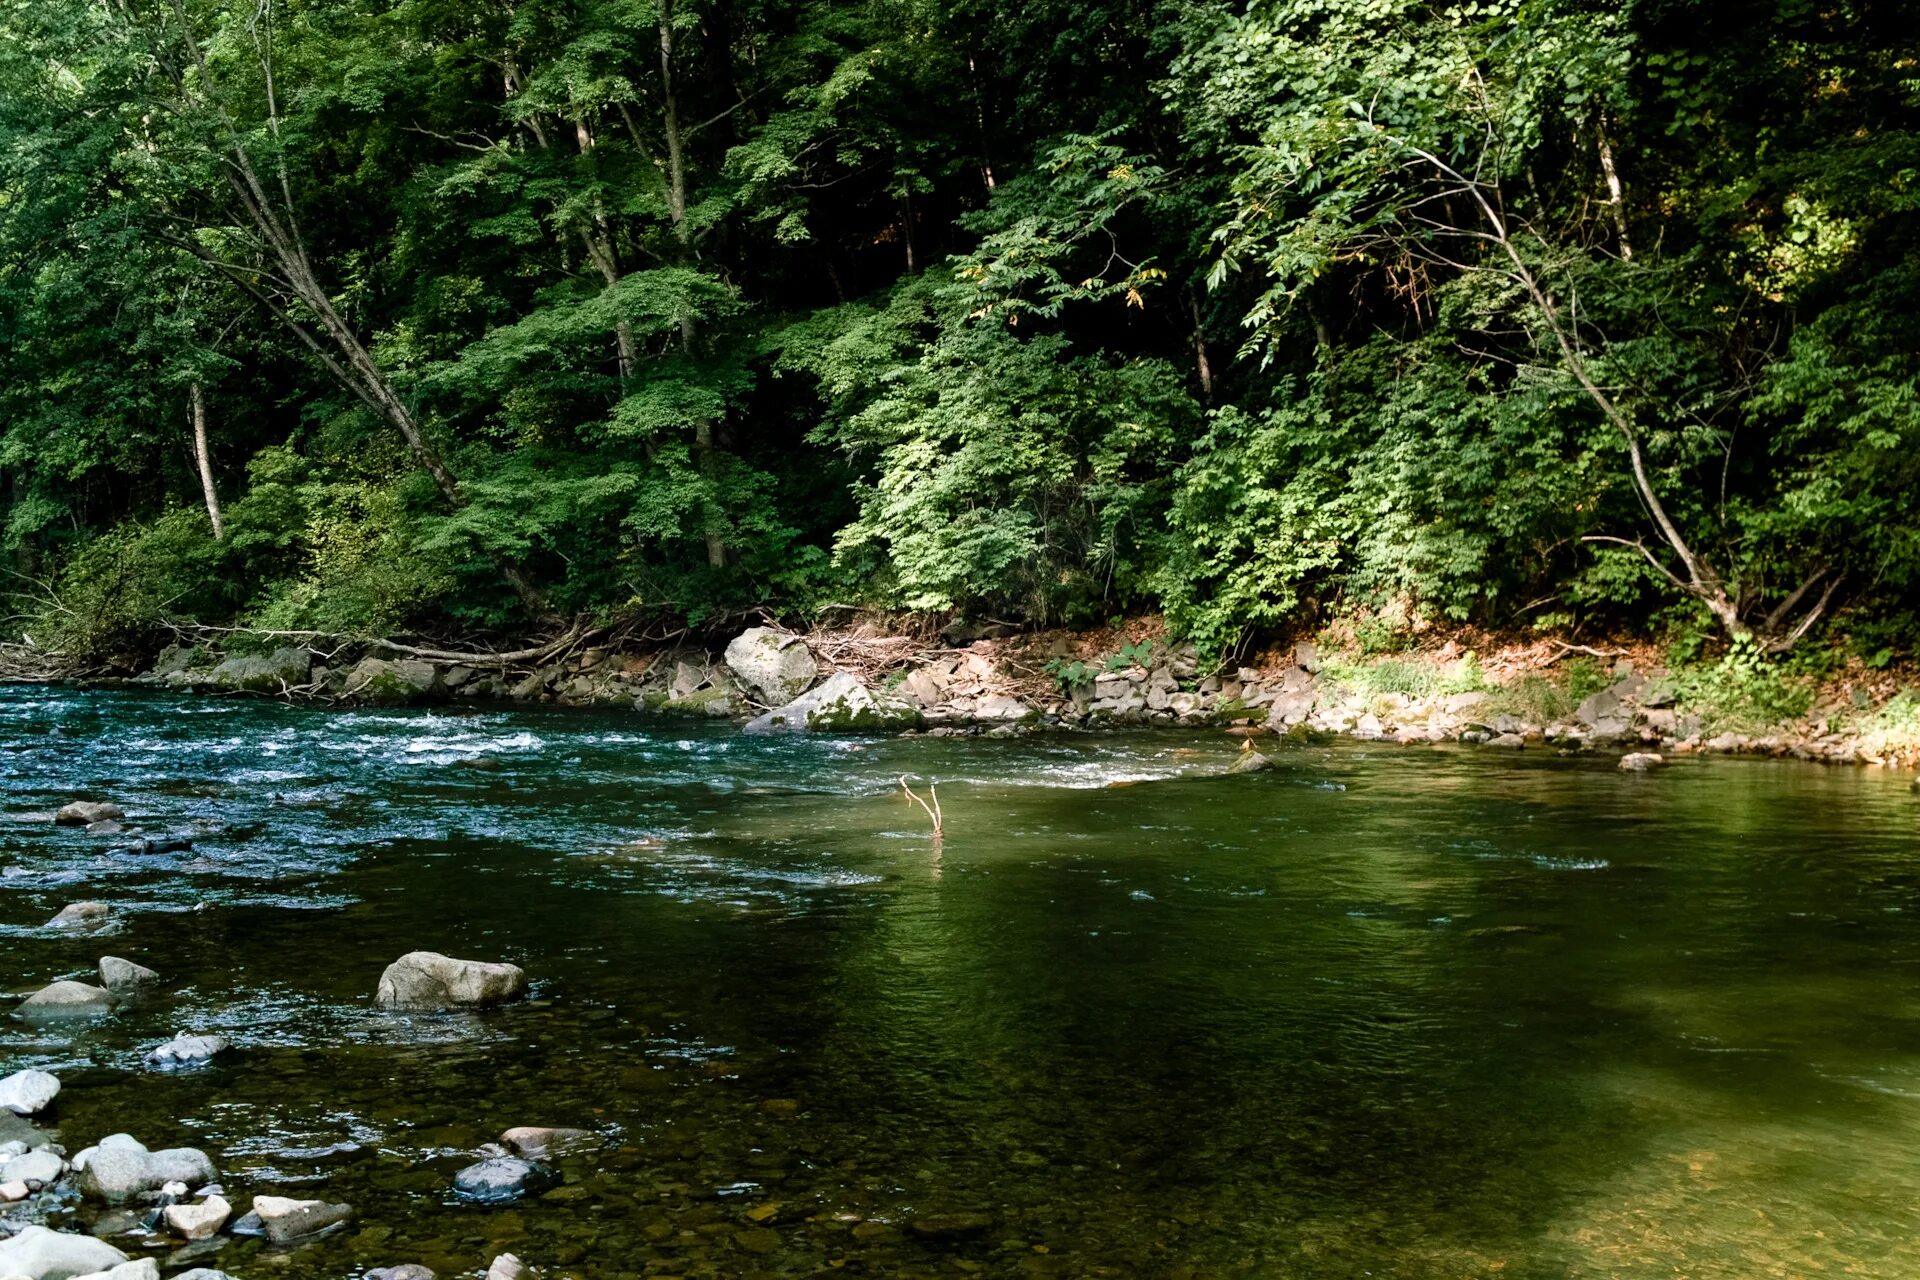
(405, 1271)
(286, 1220)
(1251, 762)
(187, 1051)
(84, 813)
(29, 1092)
(538, 1143)
(81, 915)
(774, 666)
(123, 977)
(1641, 761)
(500, 1180)
(840, 705)
(66, 1000)
(40, 1254)
(429, 980)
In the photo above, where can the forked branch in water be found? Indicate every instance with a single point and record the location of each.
(933, 810)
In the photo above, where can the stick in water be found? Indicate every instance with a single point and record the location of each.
(933, 810)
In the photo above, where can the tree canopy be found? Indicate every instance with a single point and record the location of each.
(378, 315)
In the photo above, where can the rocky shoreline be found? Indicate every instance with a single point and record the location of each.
(172, 1200)
(1007, 685)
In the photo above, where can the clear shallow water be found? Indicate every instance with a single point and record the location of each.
(1379, 1012)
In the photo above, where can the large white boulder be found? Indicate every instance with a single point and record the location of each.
(774, 666)
(429, 980)
(40, 1254)
(28, 1092)
(840, 705)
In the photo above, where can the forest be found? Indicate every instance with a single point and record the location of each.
(457, 317)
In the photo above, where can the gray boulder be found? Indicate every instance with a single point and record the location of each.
(500, 1180)
(82, 915)
(389, 683)
(122, 977)
(84, 813)
(774, 666)
(287, 1220)
(506, 1267)
(201, 1273)
(139, 1269)
(35, 1168)
(1641, 761)
(28, 1092)
(40, 1254)
(274, 672)
(120, 1169)
(429, 980)
(187, 1051)
(66, 1000)
(405, 1271)
(840, 705)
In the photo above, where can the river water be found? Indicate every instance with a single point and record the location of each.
(1376, 1012)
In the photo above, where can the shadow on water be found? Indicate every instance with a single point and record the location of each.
(1373, 1012)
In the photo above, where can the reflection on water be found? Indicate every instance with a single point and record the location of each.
(1386, 1012)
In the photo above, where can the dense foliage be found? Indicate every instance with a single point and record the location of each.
(378, 315)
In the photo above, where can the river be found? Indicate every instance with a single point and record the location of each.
(1375, 1012)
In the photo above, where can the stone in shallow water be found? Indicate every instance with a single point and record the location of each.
(199, 1220)
(139, 1269)
(506, 1267)
(949, 1226)
(286, 1219)
(82, 915)
(84, 813)
(538, 1143)
(39, 1253)
(26, 1092)
(187, 1051)
(118, 975)
(34, 1169)
(405, 1271)
(1641, 761)
(120, 1169)
(500, 1180)
(429, 980)
(66, 1000)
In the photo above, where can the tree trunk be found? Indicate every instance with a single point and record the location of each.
(342, 352)
(203, 460)
(703, 444)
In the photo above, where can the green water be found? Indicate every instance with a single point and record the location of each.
(1378, 1012)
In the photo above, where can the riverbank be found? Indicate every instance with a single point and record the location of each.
(1537, 694)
